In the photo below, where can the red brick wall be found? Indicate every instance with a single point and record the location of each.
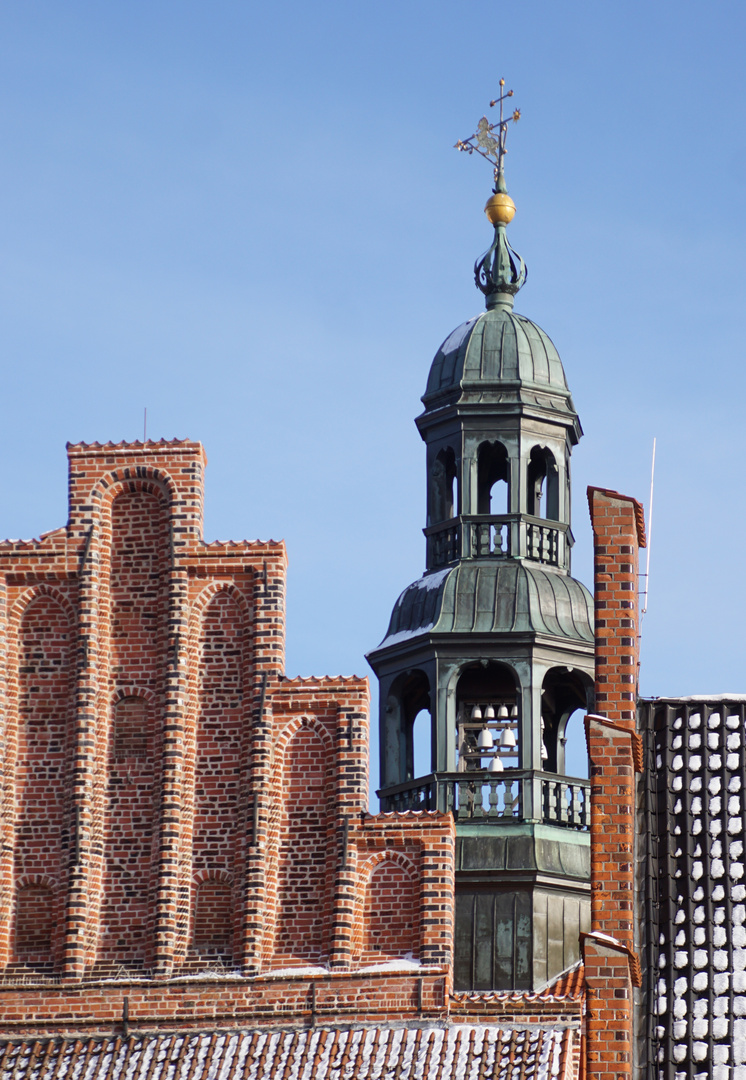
(613, 748)
(302, 934)
(179, 801)
(42, 773)
(392, 911)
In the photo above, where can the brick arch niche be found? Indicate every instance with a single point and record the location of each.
(43, 759)
(303, 850)
(390, 909)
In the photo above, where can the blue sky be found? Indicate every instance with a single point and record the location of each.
(250, 218)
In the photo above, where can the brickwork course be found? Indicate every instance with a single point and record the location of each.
(186, 842)
(612, 968)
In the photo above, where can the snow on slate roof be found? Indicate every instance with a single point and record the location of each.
(426, 1053)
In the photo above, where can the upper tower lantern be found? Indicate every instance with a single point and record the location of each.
(495, 642)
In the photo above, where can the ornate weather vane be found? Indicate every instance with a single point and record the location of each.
(499, 273)
(489, 139)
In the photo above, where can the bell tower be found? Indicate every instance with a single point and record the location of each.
(494, 644)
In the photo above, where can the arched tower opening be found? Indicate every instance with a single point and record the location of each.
(543, 484)
(487, 728)
(493, 479)
(442, 487)
(564, 693)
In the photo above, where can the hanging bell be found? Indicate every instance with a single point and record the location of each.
(508, 737)
(502, 712)
(476, 713)
(489, 713)
(485, 740)
(514, 713)
(496, 764)
(544, 751)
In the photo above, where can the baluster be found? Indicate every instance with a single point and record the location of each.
(553, 814)
(508, 798)
(497, 539)
(466, 798)
(564, 805)
(494, 797)
(577, 805)
(477, 797)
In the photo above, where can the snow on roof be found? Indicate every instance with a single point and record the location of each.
(319, 1054)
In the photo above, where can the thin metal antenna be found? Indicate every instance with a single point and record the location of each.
(145, 426)
(650, 534)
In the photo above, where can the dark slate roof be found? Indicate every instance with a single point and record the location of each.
(502, 596)
(426, 1053)
(499, 346)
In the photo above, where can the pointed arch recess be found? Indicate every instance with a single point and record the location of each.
(387, 908)
(302, 864)
(40, 736)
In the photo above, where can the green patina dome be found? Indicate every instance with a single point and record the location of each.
(499, 351)
(503, 597)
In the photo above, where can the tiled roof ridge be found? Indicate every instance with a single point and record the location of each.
(307, 680)
(241, 543)
(569, 986)
(136, 444)
(365, 1052)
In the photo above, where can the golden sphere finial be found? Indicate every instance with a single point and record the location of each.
(500, 208)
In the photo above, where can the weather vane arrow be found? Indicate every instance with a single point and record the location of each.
(489, 139)
(501, 271)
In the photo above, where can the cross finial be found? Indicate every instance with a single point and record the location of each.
(489, 139)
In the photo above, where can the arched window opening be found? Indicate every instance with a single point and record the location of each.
(414, 701)
(576, 748)
(407, 742)
(213, 929)
(493, 479)
(422, 743)
(131, 734)
(543, 484)
(564, 692)
(34, 924)
(443, 487)
(487, 719)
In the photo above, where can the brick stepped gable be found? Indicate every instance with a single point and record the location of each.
(176, 812)
(185, 835)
